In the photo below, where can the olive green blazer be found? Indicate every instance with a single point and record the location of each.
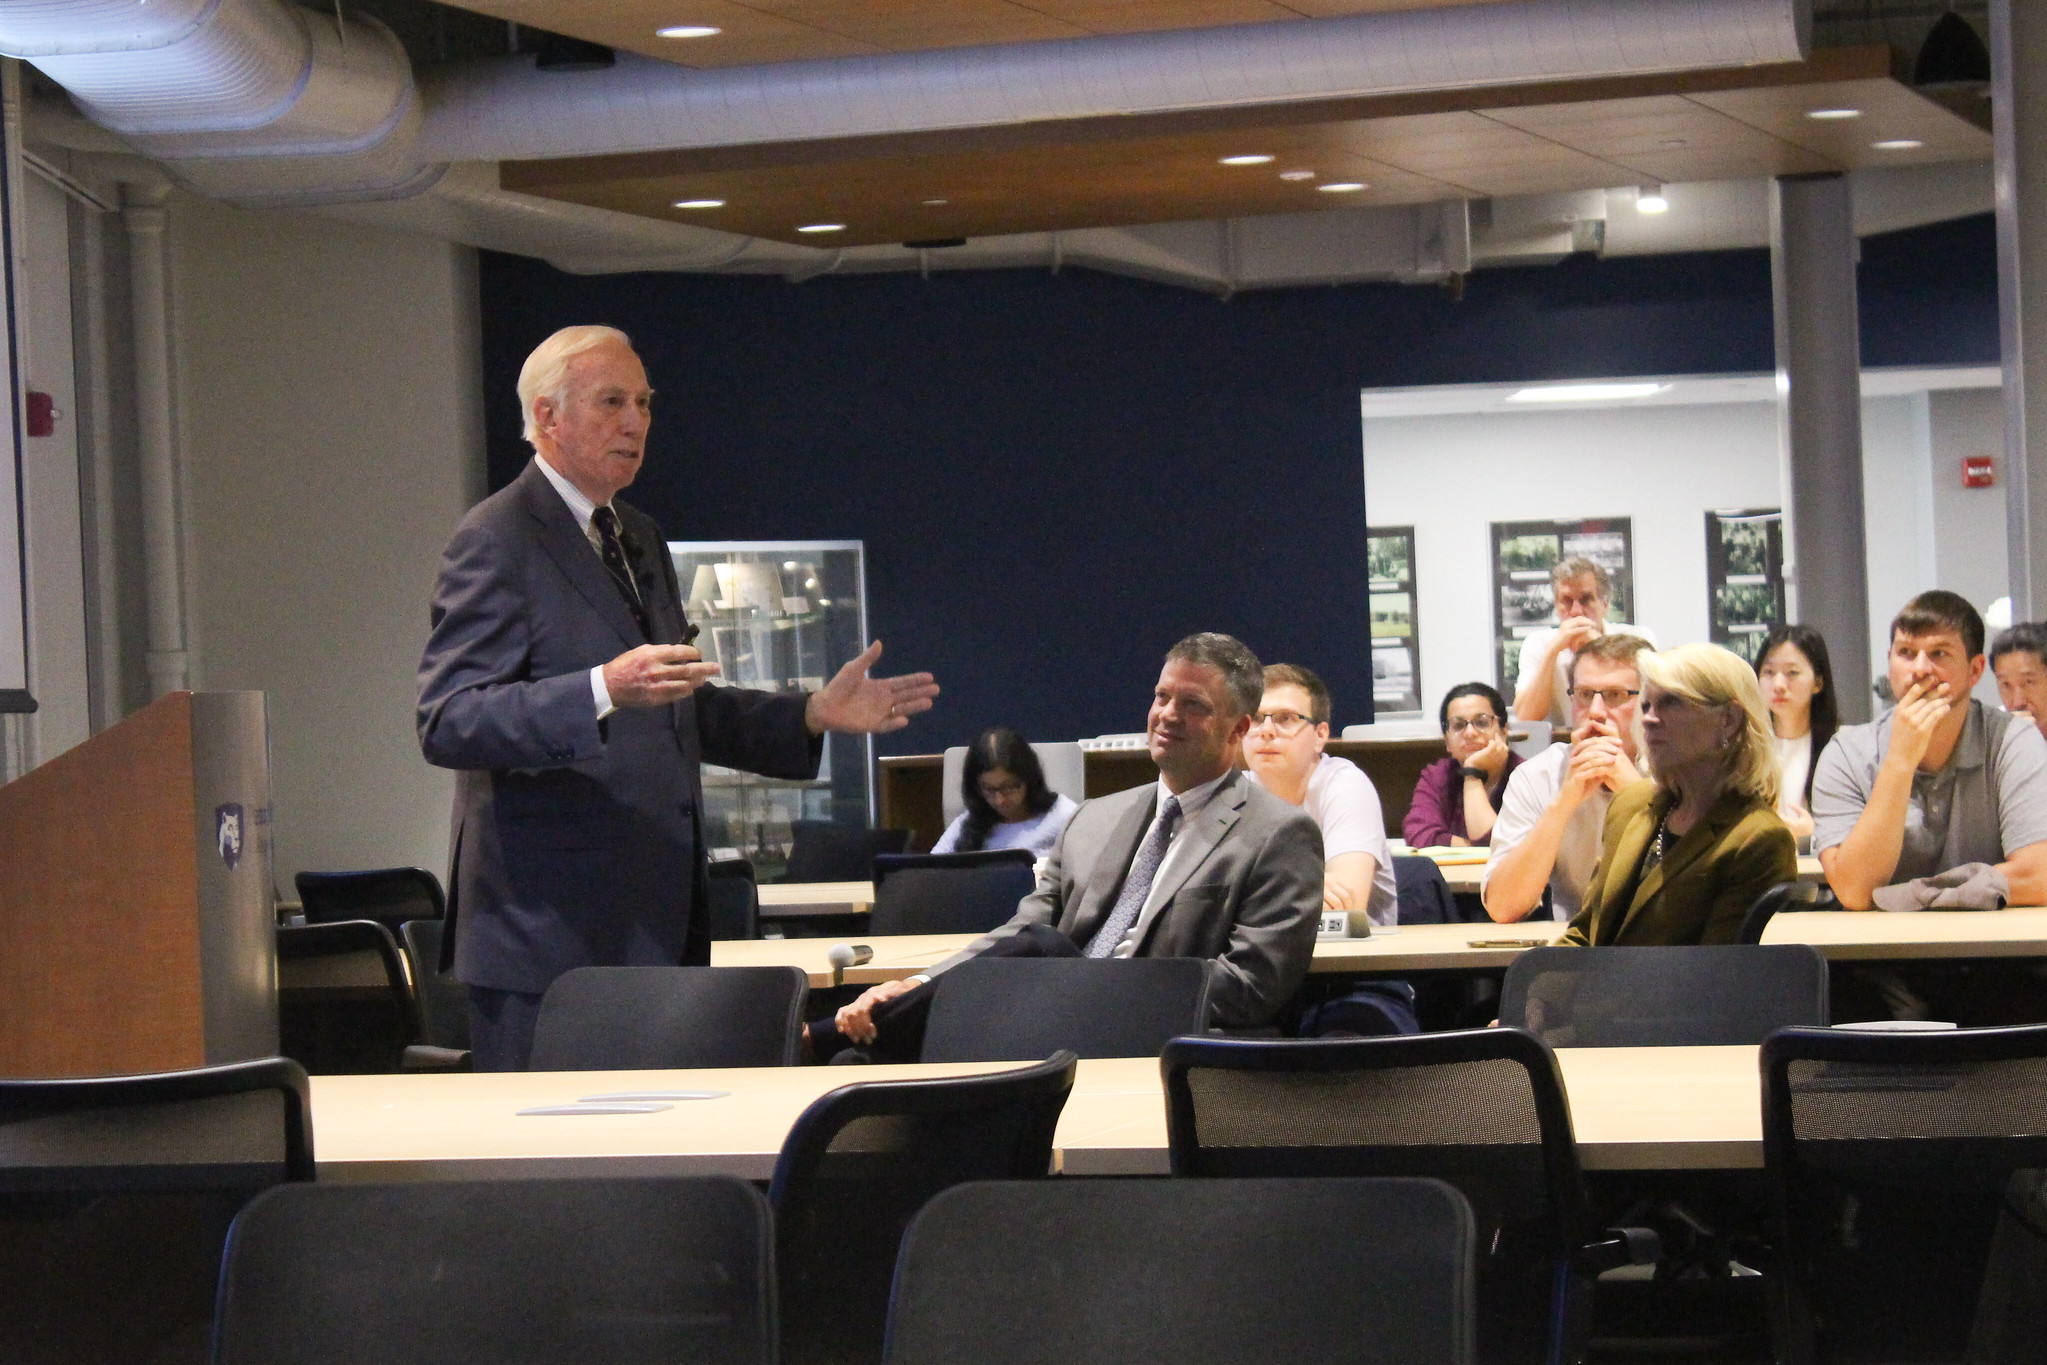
(1705, 885)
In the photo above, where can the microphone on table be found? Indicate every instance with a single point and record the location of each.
(844, 955)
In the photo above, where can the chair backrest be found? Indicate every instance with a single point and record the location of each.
(1065, 773)
(443, 1000)
(207, 1127)
(1243, 1272)
(860, 1162)
(949, 893)
(388, 895)
(821, 851)
(1782, 896)
(1424, 896)
(1693, 996)
(334, 1031)
(735, 900)
(1483, 1109)
(1006, 1009)
(551, 1272)
(670, 1018)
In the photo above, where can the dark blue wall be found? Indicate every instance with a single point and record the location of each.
(1058, 476)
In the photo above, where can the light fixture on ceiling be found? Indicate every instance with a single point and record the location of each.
(1247, 159)
(700, 203)
(688, 31)
(1898, 144)
(936, 203)
(1296, 175)
(1585, 393)
(822, 227)
(1832, 115)
(1649, 199)
(1343, 187)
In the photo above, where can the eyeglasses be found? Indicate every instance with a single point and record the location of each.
(1614, 697)
(1285, 724)
(996, 791)
(1478, 725)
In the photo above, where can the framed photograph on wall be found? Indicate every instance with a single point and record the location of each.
(1396, 647)
(1744, 576)
(1524, 601)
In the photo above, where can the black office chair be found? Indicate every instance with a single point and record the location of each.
(1007, 1009)
(949, 893)
(1888, 1155)
(821, 851)
(329, 1018)
(1482, 1109)
(146, 1130)
(464, 1272)
(388, 895)
(1243, 1272)
(670, 1018)
(443, 1002)
(858, 1165)
(1693, 996)
(735, 900)
(1782, 896)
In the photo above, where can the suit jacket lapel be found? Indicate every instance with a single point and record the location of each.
(1634, 845)
(1685, 851)
(662, 611)
(1193, 846)
(1106, 880)
(567, 546)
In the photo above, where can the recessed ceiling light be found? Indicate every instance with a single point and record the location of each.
(1584, 393)
(1296, 175)
(700, 203)
(1248, 159)
(822, 227)
(1833, 113)
(688, 31)
(936, 203)
(1649, 199)
(1343, 187)
(1897, 144)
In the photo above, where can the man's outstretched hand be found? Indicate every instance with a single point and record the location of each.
(854, 704)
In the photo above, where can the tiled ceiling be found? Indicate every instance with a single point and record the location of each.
(1407, 149)
(759, 31)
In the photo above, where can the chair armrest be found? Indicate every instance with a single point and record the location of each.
(425, 1057)
(1619, 1247)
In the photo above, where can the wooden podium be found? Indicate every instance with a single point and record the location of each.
(137, 915)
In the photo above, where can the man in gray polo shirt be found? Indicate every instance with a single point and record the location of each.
(1938, 782)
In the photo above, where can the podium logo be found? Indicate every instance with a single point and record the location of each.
(227, 833)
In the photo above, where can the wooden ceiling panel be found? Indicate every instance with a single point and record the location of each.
(1667, 138)
(1890, 110)
(766, 31)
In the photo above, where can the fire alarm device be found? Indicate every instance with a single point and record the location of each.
(1978, 471)
(42, 414)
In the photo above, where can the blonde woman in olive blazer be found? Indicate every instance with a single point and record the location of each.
(1686, 856)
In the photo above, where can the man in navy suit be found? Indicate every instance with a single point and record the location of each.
(558, 684)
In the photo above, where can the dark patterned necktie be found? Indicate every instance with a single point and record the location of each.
(612, 550)
(1144, 869)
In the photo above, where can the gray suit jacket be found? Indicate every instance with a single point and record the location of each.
(1244, 891)
(576, 841)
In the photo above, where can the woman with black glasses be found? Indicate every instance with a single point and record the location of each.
(1457, 797)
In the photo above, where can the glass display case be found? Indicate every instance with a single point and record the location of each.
(781, 616)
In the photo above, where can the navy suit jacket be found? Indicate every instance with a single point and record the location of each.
(576, 842)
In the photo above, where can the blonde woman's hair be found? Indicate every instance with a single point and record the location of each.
(546, 372)
(1707, 675)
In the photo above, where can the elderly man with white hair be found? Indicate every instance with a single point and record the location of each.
(560, 684)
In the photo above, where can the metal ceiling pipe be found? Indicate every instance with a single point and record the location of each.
(501, 109)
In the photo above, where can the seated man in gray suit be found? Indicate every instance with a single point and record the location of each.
(1203, 863)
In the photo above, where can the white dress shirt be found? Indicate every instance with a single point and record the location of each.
(583, 510)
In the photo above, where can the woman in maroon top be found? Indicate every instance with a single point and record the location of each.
(1457, 797)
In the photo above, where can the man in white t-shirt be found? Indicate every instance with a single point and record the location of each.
(1554, 811)
(1583, 592)
(1284, 753)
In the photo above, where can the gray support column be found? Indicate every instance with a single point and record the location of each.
(2018, 57)
(143, 212)
(1819, 406)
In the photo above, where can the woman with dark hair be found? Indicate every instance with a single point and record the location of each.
(1007, 802)
(1457, 798)
(1798, 687)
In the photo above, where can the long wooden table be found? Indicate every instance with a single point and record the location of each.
(1416, 948)
(1633, 1109)
(794, 900)
(1466, 877)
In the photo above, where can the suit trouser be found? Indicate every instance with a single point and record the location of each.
(501, 1028)
(899, 1023)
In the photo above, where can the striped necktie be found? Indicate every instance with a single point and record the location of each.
(1144, 869)
(612, 551)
